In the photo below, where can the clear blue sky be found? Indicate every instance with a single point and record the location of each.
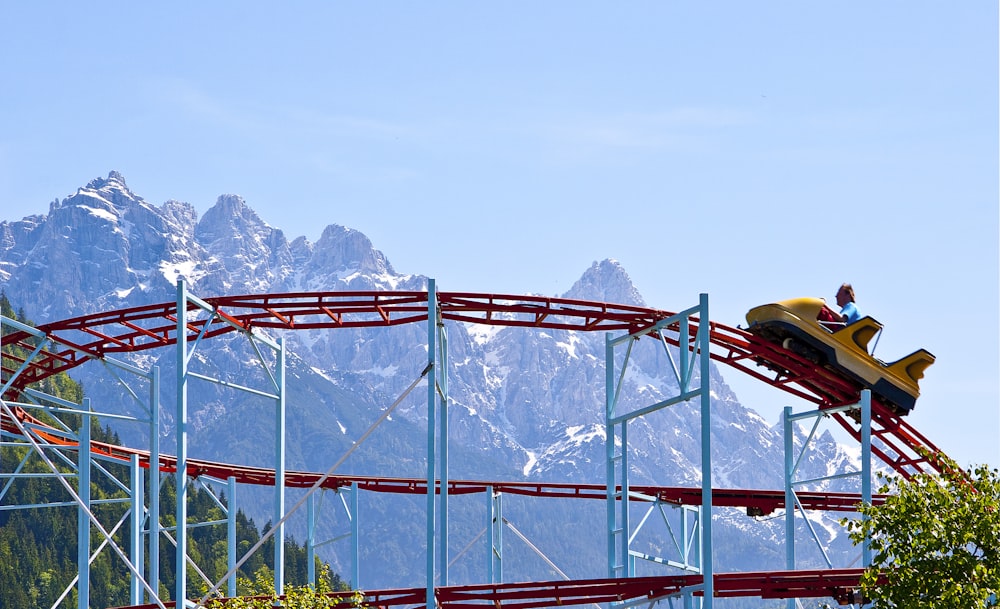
(751, 150)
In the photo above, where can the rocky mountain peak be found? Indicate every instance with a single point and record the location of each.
(606, 281)
(241, 248)
(230, 218)
(110, 194)
(232, 212)
(347, 251)
(114, 180)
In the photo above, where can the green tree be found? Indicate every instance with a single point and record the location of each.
(259, 594)
(935, 541)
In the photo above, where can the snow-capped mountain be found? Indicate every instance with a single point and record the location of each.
(523, 404)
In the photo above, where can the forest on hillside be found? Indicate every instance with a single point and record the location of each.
(38, 545)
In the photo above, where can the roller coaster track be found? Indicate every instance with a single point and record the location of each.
(131, 330)
(72, 342)
(757, 502)
(839, 584)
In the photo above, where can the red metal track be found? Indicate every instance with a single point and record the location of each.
(756, 502)
(136, 329)
(838, 584)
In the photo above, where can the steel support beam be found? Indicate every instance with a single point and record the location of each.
(866, 467)
(310, 541)
(349, 497)
(138, 509)
(707, 557)
(793, 460)
(83, 511)
(181, 427)
(186, 324)
(231, 541)
(440, 378)
(279, 471)
(431, 435)
(494, 534)
(355, 516)
(153, 529)
(437, 454)
(693, 356)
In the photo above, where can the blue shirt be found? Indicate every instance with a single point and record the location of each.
(850, 313)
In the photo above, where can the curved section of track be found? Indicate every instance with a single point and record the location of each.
(80, 339)
(839, 584)
(756, 502)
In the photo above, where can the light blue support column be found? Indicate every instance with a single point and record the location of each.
(311, 540)
(686, 534)
(153, 529)
(83, 511)
(707, 560)
(688, 597)
(137, 506)
(866, 467)
(355, 538)
(787, 425)
(180, 567)
(623, 520)
(441, 378)
(694, 358)
(494, 532)
(431, 429)
(231, 541)
(279, 472)
(620, 561)
(609, 450)
(793, 459)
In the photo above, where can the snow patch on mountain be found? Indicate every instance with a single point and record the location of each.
(482, 333)
(173, 271)
(570, 345)
(102, 213)
(530, 465)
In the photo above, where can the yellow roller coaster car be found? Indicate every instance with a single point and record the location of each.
(794, 325)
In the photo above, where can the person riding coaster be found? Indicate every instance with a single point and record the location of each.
(798, 325)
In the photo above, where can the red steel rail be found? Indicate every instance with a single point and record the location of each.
(756, 502)
(840, 584)
(79, 339)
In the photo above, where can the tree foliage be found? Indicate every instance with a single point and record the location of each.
(935, 541)
(259, 593)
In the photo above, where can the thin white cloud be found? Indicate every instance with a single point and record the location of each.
(267, 120)
(347, 125)
(582, 137)
(186, 98)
